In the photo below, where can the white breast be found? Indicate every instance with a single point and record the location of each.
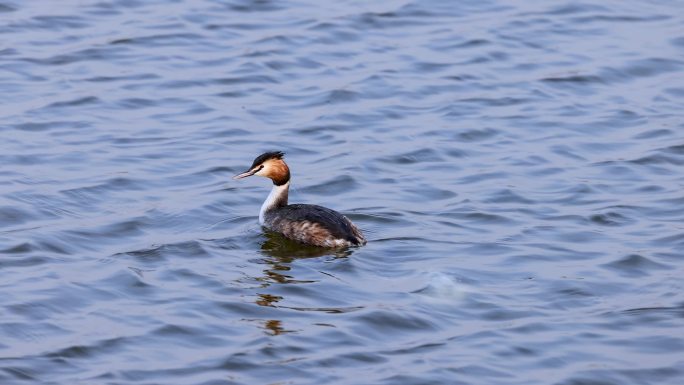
(276, 192)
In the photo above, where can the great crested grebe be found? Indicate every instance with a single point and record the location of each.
(310, 224)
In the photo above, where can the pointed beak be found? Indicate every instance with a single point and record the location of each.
(245, 174)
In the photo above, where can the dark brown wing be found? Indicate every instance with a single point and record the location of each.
(321, 219)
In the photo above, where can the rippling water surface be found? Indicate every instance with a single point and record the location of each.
(518, 168)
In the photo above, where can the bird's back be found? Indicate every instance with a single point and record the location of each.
(313, 224)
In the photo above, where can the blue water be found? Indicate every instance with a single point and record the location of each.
(516, 166)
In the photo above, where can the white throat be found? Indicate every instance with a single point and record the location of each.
(275, 196)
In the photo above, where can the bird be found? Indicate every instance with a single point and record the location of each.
(304, 223)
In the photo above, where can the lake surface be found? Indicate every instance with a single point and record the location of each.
(518, 169)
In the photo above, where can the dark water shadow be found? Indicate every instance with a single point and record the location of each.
(287, 250)
(280, 254)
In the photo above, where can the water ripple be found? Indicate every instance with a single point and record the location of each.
(516, 168)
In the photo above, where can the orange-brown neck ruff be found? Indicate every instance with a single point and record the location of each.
(279, 172)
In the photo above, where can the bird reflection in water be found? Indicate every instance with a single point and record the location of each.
(279, 253)
(279, 247)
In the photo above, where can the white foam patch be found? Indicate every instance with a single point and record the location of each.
(441, 286)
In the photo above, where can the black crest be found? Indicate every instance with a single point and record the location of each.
(266, 156)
